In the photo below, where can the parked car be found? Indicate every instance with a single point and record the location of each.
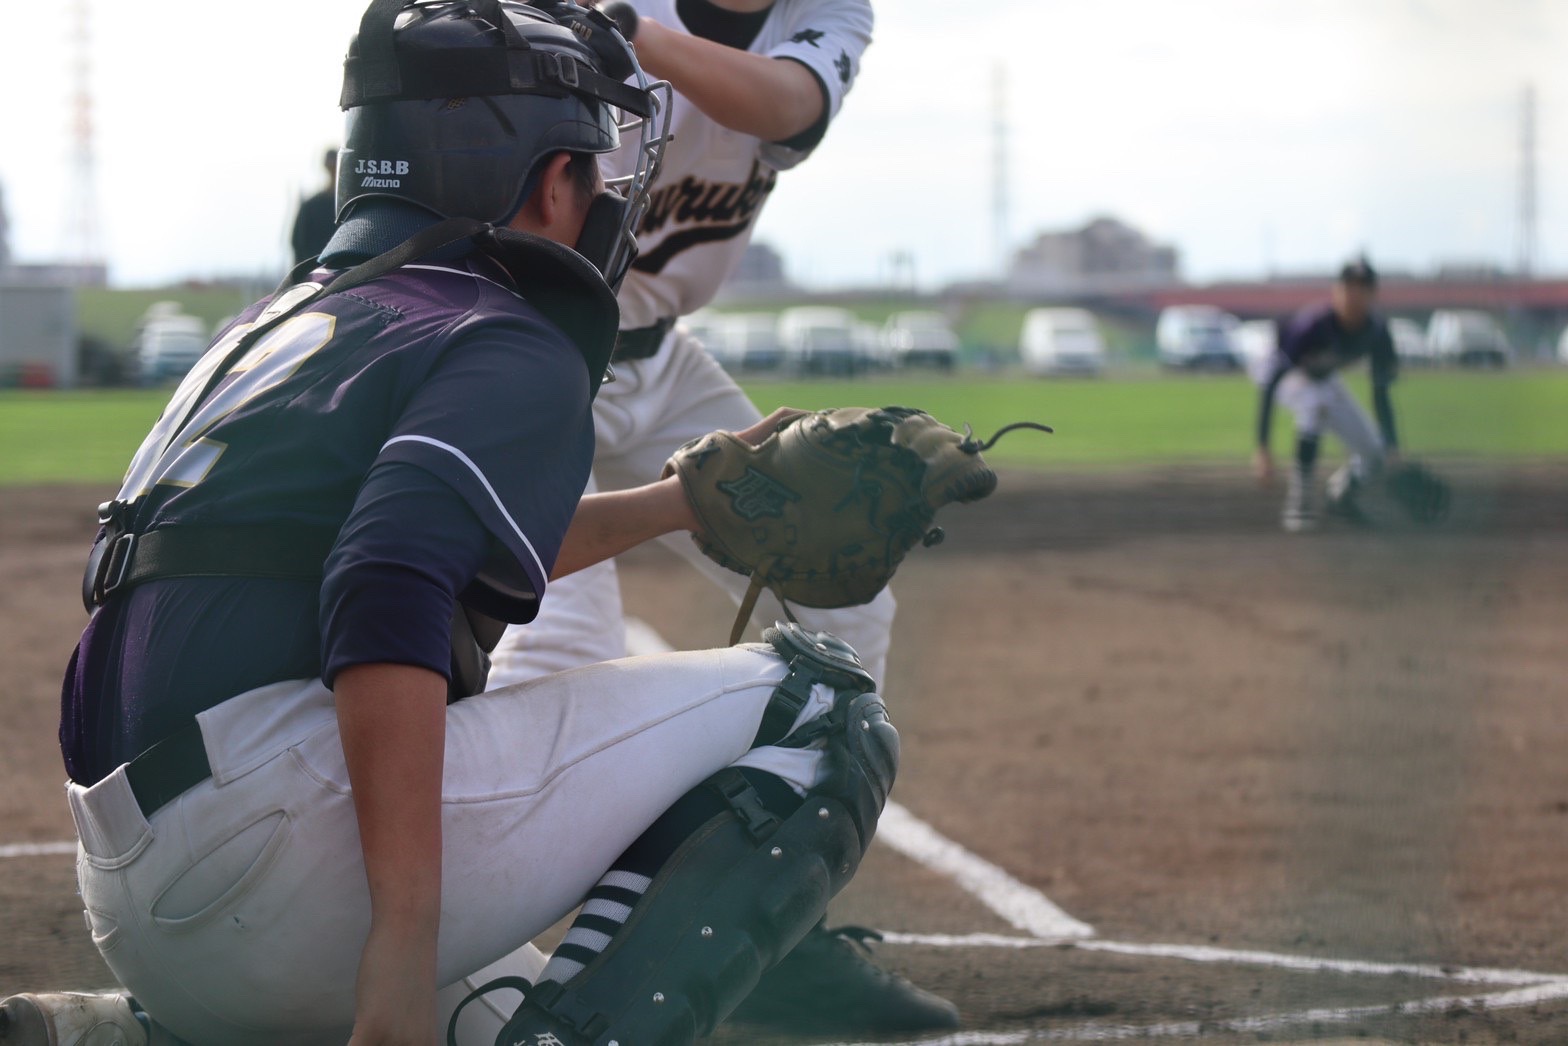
(872, 348)
(1410, 342)
(1196, 337)
(754, 339)
(820, 339)
(1468, 337)
(1061, 341)
(712, 329)
(1562, 347)
(1255, 342)
(168, 343)
(920, 339)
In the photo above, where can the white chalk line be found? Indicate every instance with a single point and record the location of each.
(1020, 905)
(1102, 1032)
(37, 849)
(1240, 957)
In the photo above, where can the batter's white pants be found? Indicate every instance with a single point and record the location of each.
(237, 912)
(1326, 405)
(653, 407)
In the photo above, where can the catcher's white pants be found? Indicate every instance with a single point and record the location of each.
(653, 407)
(1326, 405)
(237, 912)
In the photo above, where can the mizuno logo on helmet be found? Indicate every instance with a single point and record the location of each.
(381, 167)
(380, 183)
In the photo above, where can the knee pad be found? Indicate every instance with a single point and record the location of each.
(860, 742)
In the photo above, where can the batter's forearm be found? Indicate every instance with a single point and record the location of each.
(605, 525)
(772, 99)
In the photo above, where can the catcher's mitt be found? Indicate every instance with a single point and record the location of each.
(1422, 493)
(822, 511)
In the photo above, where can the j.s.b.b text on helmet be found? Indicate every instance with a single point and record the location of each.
(364, 166)
(371, 173)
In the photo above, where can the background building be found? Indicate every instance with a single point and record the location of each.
(1106, 255)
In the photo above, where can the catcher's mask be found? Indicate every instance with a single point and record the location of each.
(454, 106)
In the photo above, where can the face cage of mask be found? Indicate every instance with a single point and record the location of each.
(653, 134)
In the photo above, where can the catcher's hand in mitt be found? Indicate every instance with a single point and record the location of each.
(822, 510)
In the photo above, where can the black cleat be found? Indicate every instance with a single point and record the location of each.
(829, 984)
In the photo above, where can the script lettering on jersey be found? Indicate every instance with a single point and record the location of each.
(709, 211)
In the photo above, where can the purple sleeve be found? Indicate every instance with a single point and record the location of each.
(389, 589)
(470, 496)
(505, 422)
(1310, 329)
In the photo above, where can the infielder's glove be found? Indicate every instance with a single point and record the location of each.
(822, 511)
(1419, 491)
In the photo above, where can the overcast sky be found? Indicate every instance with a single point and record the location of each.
(1254, 135)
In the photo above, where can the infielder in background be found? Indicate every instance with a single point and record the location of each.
(297, 818)
(1303, 374)
(757, 83)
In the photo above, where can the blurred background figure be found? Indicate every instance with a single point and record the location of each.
(317, 214)
(1314, 346)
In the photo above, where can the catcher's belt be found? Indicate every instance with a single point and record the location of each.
(168, 769)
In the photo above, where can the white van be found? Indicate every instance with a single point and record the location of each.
(168, 344)
(1468, 337)
(820, 339)
(1410, 344)
(1061, 341)
(920, 338)
(1197, 337)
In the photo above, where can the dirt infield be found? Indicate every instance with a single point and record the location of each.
(1141, 700)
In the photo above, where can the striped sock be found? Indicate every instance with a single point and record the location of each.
(611, 901)
(606, 910)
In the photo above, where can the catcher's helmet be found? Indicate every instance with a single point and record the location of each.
(453, 105)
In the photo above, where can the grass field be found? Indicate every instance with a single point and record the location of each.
(1106, 423)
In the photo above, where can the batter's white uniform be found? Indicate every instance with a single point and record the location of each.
(713, 183)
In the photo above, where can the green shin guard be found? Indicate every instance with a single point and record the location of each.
(735, 897)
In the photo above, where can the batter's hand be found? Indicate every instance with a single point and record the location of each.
(1263, 465)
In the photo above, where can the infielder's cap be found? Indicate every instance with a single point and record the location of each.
(1358, 272)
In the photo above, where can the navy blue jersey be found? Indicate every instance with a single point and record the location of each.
(1315, 342)
(436, 422)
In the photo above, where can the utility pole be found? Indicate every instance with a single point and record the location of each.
(83, 246)
(1000, 220)
(1525, 263)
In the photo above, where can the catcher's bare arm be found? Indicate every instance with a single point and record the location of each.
(605, 525)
